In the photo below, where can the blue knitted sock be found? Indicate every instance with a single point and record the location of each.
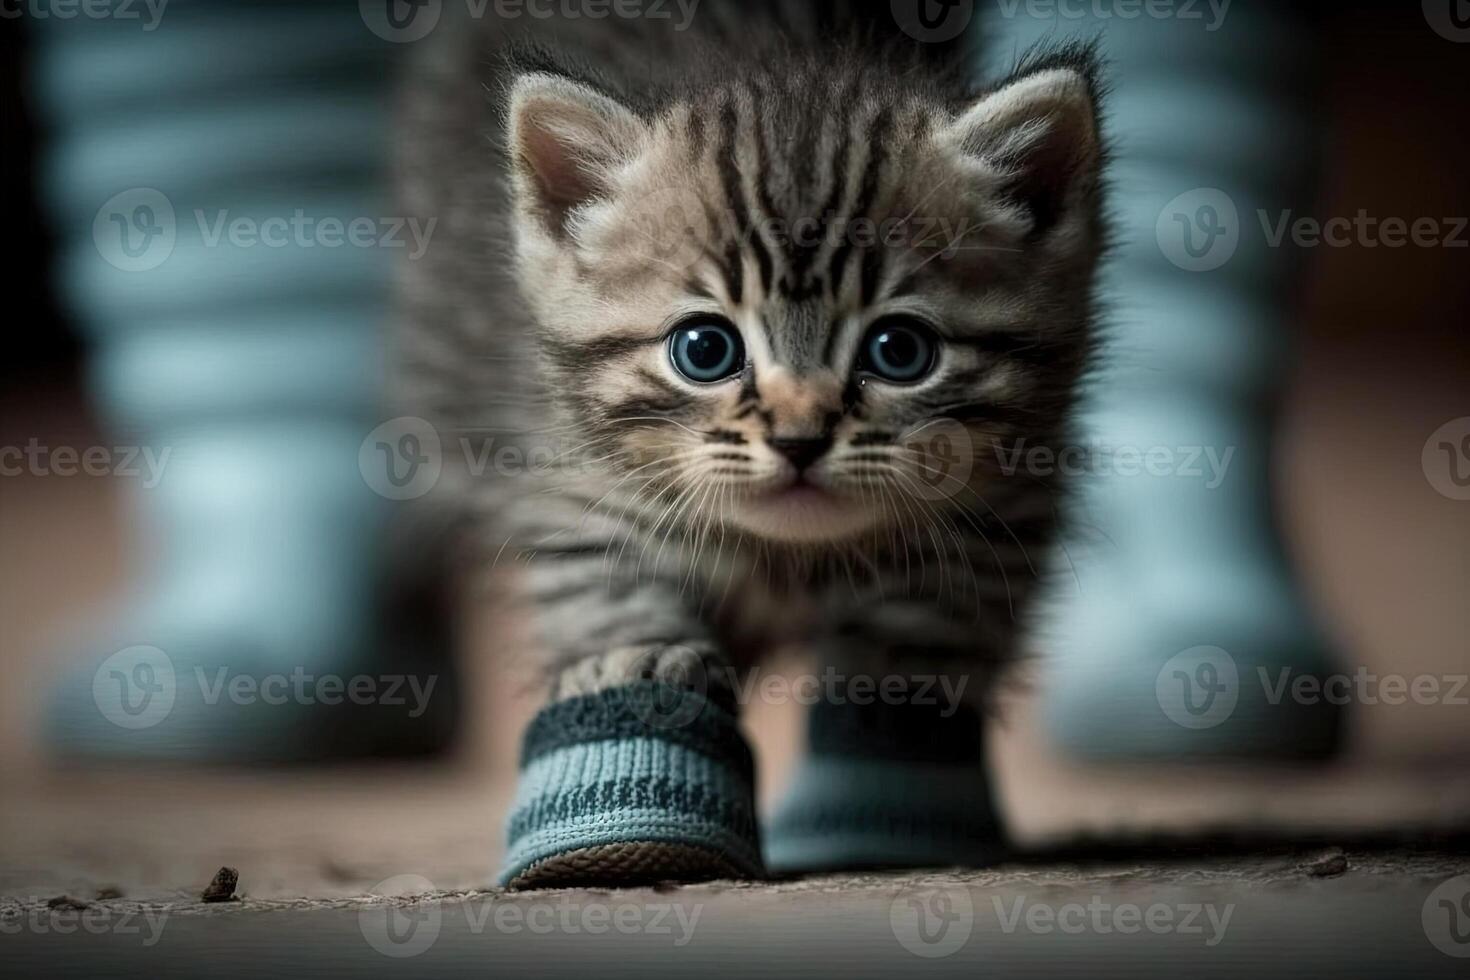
(887, 785)
(616, 788)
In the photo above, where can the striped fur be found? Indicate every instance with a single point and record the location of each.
(594, 182)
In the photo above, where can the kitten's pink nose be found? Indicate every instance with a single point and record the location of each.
(801, 452)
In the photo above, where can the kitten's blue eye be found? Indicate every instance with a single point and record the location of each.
(706, 349)
(899, 349)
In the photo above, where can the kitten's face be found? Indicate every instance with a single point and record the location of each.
(809, 321)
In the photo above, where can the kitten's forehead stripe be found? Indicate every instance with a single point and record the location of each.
(695, 135)
(730, 179)
(872, 270)
(866, 180)
(733, 271)
(764, 172)
(834, 330)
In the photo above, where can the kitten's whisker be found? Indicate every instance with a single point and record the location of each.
(679, 495)
(657, 418)
(674, 466)
(634, 526)
(689, 499)
(1010, 602)
(598, 502)
(699, 540)
(964, 486)
(954, 531)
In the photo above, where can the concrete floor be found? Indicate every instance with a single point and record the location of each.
(384, 870)
(1367, 910)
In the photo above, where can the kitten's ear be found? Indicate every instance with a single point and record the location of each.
(1041, 131)
(566, 142)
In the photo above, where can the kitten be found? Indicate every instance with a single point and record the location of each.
(774, 296)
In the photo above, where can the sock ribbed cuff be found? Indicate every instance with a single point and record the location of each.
(619, 767)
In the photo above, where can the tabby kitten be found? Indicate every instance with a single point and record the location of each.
(773, 297)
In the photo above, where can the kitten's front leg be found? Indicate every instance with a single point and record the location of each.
(634, 770)
(895, 774)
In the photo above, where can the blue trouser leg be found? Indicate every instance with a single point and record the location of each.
(1183, 614)
(195, 175)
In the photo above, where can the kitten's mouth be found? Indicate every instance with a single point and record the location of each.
(801, 492)
(802, 511)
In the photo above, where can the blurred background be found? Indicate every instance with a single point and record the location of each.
(1338, 371)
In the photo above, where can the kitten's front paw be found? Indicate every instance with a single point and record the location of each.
(632, 784)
